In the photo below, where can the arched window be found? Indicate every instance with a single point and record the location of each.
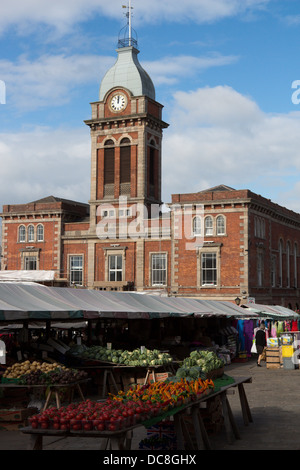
(125, 165)
(22, 234)
(197, 226)
(208, 226)
(220, 225)
(109, 162)
(40, 233)
(30, 233)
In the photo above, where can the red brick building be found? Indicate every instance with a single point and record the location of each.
(217, 244)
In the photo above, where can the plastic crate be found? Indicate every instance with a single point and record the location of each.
(288, 363)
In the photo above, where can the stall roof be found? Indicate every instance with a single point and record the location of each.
(35, 301)
(22, 275)
(272, 311)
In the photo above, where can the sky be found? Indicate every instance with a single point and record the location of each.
(226, 71)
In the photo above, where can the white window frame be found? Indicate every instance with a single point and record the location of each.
(115, 271)
(40, 233)
(213, 255)
(220, 229)
(30, 233)
(208, 229)
(197, 226)
(159, 276)
(75, 269)
(22, 239)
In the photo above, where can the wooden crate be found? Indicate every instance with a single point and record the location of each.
(273, 358)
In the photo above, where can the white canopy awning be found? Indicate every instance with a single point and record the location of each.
(31, 276)
(34, 301)
(272, 311)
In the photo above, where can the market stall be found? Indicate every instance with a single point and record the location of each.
(282, 334)
(114, 420)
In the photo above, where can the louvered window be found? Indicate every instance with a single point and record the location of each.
(125, 167)
(109, 162)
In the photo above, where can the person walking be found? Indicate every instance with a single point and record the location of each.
(261, 342)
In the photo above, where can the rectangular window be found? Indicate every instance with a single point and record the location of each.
(159, 269)
(30, 263)
(260, 265)
(115, 268)
(209, 269)
(273, 271)
(76, 270)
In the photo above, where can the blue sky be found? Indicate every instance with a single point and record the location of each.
(223, 69)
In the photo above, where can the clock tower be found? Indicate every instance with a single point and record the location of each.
(126, 135)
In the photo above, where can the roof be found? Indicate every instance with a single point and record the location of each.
(127, 73)
(50, 199)
(220, 187)
(34, 301)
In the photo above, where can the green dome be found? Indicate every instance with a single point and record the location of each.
(127, 73)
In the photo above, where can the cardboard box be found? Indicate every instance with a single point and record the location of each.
(272, 342)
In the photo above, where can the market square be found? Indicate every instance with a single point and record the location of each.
(134, 322)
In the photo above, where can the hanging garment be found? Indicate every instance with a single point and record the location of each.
(240, 328)
(273, 330)
(248, 335)
(295, 325)
(280, 328)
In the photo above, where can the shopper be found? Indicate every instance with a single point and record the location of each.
(261, 342)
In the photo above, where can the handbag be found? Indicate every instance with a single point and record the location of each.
(253, 347)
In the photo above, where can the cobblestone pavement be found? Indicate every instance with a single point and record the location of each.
(273, 398)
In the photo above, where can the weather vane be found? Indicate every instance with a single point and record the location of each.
(129, 41)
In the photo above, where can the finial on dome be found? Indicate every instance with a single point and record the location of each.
(126, 34)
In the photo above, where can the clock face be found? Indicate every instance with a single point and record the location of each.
(118, 102)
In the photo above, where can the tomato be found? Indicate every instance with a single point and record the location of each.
(56, 425)
(76, 427)
(100, 426)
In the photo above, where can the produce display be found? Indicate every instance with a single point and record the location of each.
(198, 364)
(122, 410)
(135, 358)
(41, 373)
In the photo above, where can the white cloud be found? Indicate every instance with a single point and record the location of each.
(216, 136)
(44, 162)
(50, 79)
(219, 136)
(62, 15)
(170, 69)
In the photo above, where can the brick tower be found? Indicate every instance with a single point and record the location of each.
(126, 135)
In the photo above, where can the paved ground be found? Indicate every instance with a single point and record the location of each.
(274, 401)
